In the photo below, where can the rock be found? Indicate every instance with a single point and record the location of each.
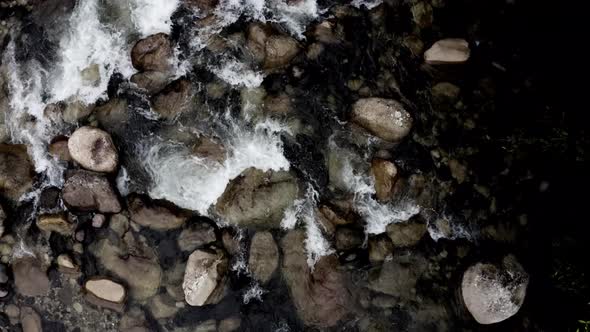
(175, 99)
(278, 105)
(65, 261)
(151, 81)
(493, 292)
(113, 115)
(320, 296)
(98, 220)
(3, 274)
(195, 236)
(30, 278)
(152, 53)
(75, 111)
(385, 175)
(406, 234)
(280, 50)
(204, 277)
(257, 36)
(119, 224)
(89, 191)
(231, 242)
(324, 32)
(348, 238)
(91, 75)
(210, 149)
(207, 326)
(16, 171)
(258, 199)
(380, 248)
(230, 324)
(414, 44)
(106, 289)
(385, 118)
(13, 313)
(162, 306)
(422, 14)
(60, 150)
(330, 215)
(448, 51)
(264, 256)
(202, 7)
(128, 261)
(458, 170)
(55, 223)
(30, 320)
(93, 149)
(445, 92)
(396, 279)
(134, 320)
(154, 216)
(2, 220)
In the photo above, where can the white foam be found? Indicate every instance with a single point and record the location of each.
(295, 17)
(370, 4)
(255, 292)
(236, 73)
(152, 16)
(196, 184)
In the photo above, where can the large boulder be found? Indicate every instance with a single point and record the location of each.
(154, 216)
(258, 199)
(151, 81)
(264, 256)
(204, 277)
(384, 118)
(30, 278)
(89, 191)
(280, 50)
(494, 292)
(16, 171)
(133, 261)
(152, 53)
(448, 51)
(175, 99)
(319, 295)
(93, 149)
(406, 234)
(196, 236)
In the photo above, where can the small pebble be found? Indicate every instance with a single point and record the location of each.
(98, 220)
(78, 307)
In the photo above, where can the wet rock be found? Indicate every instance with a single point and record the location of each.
(152, 53)
(458, 170)
(320, 296)
(55, 223)
(348, 238)
(65, 261)
(396, 279)
(106, 289)
(2, 220)
(195, 236)
(175, 99)
(202, 7)
(75, 111)
(30, 320)
(406, 234)
(385, 118)
(257, 36)
(278, 105)
(445, 92)
(380, 248)
(151, 81)
(3, 274)
(385, 175)
(258, 199)
(204, 277)
(210, 149)
(30, 278)
(93, 149)
(113, 115)
(230, 324)
(493, 292)
(231, 242)
(448, 51)
(280, 50)
(264, 256)
(162, 306)
(422, 14)
(129, 260)
(89, 191)
(16, 171)
(154, 216)
(98, 220)
(13, 313)
(60, 150)
(134, 320)
(207, 326)
(414, 44)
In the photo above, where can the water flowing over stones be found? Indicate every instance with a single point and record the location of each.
(493, 293)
